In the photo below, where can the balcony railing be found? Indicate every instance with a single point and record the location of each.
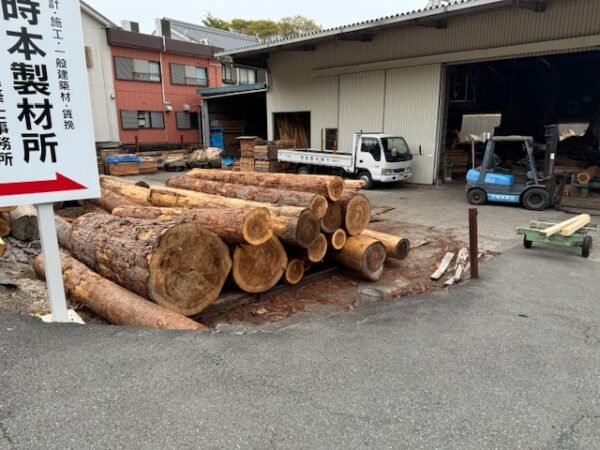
(196, 81)
(141, 76)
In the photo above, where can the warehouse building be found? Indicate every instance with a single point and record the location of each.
(422, 74)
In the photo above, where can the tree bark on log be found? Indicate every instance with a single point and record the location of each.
(337, 240)
(136, 194)
(24, 223)
(179, 266)
(363, 255)
(353, 184)
(356, 210)
(587, 175)
(333, 218)
(113, 303)
(2, 247)
(109, 201)
(235, 226)
(258, 268)
(293, 225)
(330, 187)
(316, 252)
(317, 203)
(7, 209)
(4, 225)
(395, 246)
(294, 272)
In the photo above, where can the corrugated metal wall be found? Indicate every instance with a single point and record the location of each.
(412, 107)
(411, 104)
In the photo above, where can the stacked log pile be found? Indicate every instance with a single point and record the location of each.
(177, 246)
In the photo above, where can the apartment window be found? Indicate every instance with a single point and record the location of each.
(135, 120)
(228, 73)
(247, 76)
(189, 75)
(137, 69)
(186, 120)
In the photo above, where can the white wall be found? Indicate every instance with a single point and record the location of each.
(101, 82)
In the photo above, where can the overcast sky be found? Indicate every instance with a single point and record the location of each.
(326, 13)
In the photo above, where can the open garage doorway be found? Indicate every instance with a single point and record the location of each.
(293, 126)
(522, 96)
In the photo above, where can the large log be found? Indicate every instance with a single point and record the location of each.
(315, 253)
(363, 255)
(258, 268)
(294, 271)
(136, 194)
(113, 303)
(293, 225)
(317, 203)
(587, 175)
(179, 266)
(328, 186)
(395, 246)
(109, 201)
(235, 226)
(333, 218)
(356, 210)
(4, 224)
(24, 223)
(353, 184)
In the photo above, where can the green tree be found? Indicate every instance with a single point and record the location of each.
(295, 25)
(214, 22)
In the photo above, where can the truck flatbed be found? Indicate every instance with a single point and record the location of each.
(318, 158)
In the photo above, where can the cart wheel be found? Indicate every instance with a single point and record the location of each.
(587, 247)
(527, 243)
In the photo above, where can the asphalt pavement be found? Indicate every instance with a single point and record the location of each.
(509, 361)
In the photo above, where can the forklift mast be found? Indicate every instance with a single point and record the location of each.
(551, 150)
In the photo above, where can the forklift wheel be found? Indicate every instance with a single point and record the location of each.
(527, 243)
(536, 199)
(477, 196)
(587, 247)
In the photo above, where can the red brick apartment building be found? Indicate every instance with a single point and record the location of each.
(156, 87)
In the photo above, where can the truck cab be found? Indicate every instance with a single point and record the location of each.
(381, 157)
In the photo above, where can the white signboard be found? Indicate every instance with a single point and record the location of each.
(47, 151)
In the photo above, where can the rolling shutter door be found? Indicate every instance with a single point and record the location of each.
(124, 68)
(177, 74)
(157, 119)
(129, 119)
(184, 121)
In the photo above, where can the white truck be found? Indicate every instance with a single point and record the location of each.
(375, 157)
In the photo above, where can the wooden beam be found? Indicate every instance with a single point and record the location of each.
(580, 222)
(550, 231)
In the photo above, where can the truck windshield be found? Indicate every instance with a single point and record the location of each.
(395, 149)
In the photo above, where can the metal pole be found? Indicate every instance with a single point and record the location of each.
(52, 266)
(473, 242)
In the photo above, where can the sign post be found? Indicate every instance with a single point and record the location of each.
(47, 151)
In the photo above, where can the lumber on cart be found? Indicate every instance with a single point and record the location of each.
(317, 203)
(331, 187)
(179, 266)
(110, 301)
(568, 227)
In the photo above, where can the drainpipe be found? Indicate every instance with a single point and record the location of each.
(162, 87)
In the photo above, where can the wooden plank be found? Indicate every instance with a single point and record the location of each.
(558, 227)
(577, 225)
(441, 270)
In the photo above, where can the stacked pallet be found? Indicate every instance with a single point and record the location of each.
(186, 239)
(247, 147)
(265, 159)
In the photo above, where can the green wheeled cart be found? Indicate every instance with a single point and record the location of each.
(580, 239)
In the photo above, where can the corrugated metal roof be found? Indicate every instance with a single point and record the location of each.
(226, 40)
(455, 7)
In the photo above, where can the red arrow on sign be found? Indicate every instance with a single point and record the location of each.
(61, 183)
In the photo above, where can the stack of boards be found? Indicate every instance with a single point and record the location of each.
(148, 256)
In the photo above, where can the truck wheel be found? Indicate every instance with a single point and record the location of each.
(587, 247)
(367, 180)
(536, 199)
(303, 170)
(477, 197)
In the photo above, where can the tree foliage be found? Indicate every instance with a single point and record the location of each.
(265, 29)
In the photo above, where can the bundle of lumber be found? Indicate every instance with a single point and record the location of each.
(175, 247)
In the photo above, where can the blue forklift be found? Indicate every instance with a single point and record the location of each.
(489, 183)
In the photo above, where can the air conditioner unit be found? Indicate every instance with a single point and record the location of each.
(186, 107)
(168, 107)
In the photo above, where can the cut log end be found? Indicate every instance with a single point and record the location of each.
(188, 269)
(373, 260)
(257, 227)
(319, 206)
(308, 229)
(402, 249)
(333, 218)
(338, 239)
(335, 189)
(316, 252)
(294, 272)
(358, 215)
(258, 268)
